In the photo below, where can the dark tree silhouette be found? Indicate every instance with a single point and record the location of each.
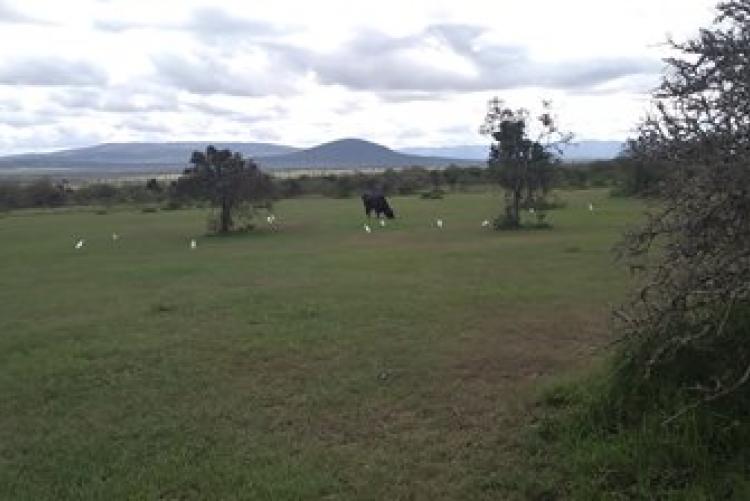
(689, 321)
(226, 180)
(521, 165)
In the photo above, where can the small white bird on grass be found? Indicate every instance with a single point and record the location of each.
(368, 229)
(439, 223)
(591, 207)
(79, 244)
(382, 223)
(193, 244)
(115, 237)
(485, 223)
(531, 210)
(271, 219)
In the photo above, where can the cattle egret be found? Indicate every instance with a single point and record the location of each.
(591, 207)
(79, 244)
(115, 236)
(485, 223)
(531, 210)
(439, 223)
(271, 219)
(193, 244)
(368, 229)
(382, 223)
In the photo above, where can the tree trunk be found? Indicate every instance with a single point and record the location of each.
(516, 216)
(226, 217)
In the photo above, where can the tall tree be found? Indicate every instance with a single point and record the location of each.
(689, 320)
(226, 180)
(520, 164)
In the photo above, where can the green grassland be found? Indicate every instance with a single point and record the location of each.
(312, 361)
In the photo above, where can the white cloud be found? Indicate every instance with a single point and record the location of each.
(402, 73)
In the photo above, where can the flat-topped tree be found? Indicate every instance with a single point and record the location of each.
(226, 180)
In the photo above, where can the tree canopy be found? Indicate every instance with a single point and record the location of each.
(226, 180)
(521, 165)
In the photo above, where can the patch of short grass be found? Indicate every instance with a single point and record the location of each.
(312, 361)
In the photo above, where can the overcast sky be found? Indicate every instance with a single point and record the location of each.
(402, 73)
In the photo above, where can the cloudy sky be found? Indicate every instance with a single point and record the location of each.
(403, 73)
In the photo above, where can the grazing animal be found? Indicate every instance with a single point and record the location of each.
(375, 201)
(368, 229)
(485, 223)
(439, 223)
(79, 244)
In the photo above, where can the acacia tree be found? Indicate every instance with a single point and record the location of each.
(688, 323)
(226, 180)
(518, 163)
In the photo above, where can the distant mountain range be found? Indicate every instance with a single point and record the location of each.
(574, 152)
(134, 155)
(354, 153)
(340, 154)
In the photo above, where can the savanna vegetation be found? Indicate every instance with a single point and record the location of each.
(310, 359)
(623, 176)
(307, 360)
(667, 417)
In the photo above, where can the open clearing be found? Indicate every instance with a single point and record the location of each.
(316, 361)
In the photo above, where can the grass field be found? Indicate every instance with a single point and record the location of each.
(316, 361)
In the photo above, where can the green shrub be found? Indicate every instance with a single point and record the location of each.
(434, 194)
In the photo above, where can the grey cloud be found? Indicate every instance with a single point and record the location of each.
(20, 119)
(208, 75)
(635, 84)
(77, 98)
(50, 71)
(587, 74)
(373, 61)
(212, 22)
(460, 37)
(208, 23)
(9, 105)
(235, 115)
(117, 99)
(10, 15)
(48, 137)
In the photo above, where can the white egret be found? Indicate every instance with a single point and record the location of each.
(80, 243)
(193, 244)
(439, 223)
(485, 223)
(591, 207)
(115, 237)
(382, 223)
(368, 229)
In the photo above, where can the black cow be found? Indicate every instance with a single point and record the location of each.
(375, 201)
